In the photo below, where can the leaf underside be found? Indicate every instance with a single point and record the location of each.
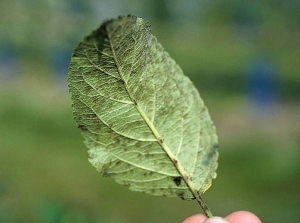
(143, 121)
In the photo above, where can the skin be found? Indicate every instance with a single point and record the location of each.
(235, 217)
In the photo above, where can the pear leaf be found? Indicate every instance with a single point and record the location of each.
(142, 119)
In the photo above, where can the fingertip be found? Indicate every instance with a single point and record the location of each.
(216, 220)
(197, 218)
(243, 216)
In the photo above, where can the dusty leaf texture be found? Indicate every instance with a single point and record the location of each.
(143, 121)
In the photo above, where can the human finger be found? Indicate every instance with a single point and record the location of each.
(243, 217)
(197, 218)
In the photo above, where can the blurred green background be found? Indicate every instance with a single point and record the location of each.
(244, 57)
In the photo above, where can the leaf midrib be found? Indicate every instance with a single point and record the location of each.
(155, 132)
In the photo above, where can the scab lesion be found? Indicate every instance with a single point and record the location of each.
(161, 140)
(177, 180)
(175, 161)
(105, 172)
(181, 195)
(212, 152)
(120, 80)
(82, 127)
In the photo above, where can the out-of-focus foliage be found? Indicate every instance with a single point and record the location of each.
(243, 57)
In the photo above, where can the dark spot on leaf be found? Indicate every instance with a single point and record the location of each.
(139, 155)
(134, 18)
(210, 154)
(105, 173)
(148, 174)
(186, 177)
(148, 26)
(138, 144)
(181, 195)
(117, 140)
(177, 180)
(175, 161)
(110, 125)
(214, 149)
(82, 127)
(161, 140)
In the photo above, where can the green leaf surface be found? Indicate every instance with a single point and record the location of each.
(143, 121)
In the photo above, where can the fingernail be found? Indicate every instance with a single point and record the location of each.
(216, 220)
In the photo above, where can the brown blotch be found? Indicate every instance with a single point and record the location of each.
(146, 174)
(105, 173)
(175, 161)
(187, 177)
(147, 155)
(82, 127)
(153, 191)
(121, 81)
(177, 180)
(161, 140)
(139, 155)
(150, 173)
(181, 195)
(138, 144)
(118, 162)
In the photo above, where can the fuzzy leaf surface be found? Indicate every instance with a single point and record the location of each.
(143, 120)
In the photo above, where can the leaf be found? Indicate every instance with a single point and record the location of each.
(143, 121)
